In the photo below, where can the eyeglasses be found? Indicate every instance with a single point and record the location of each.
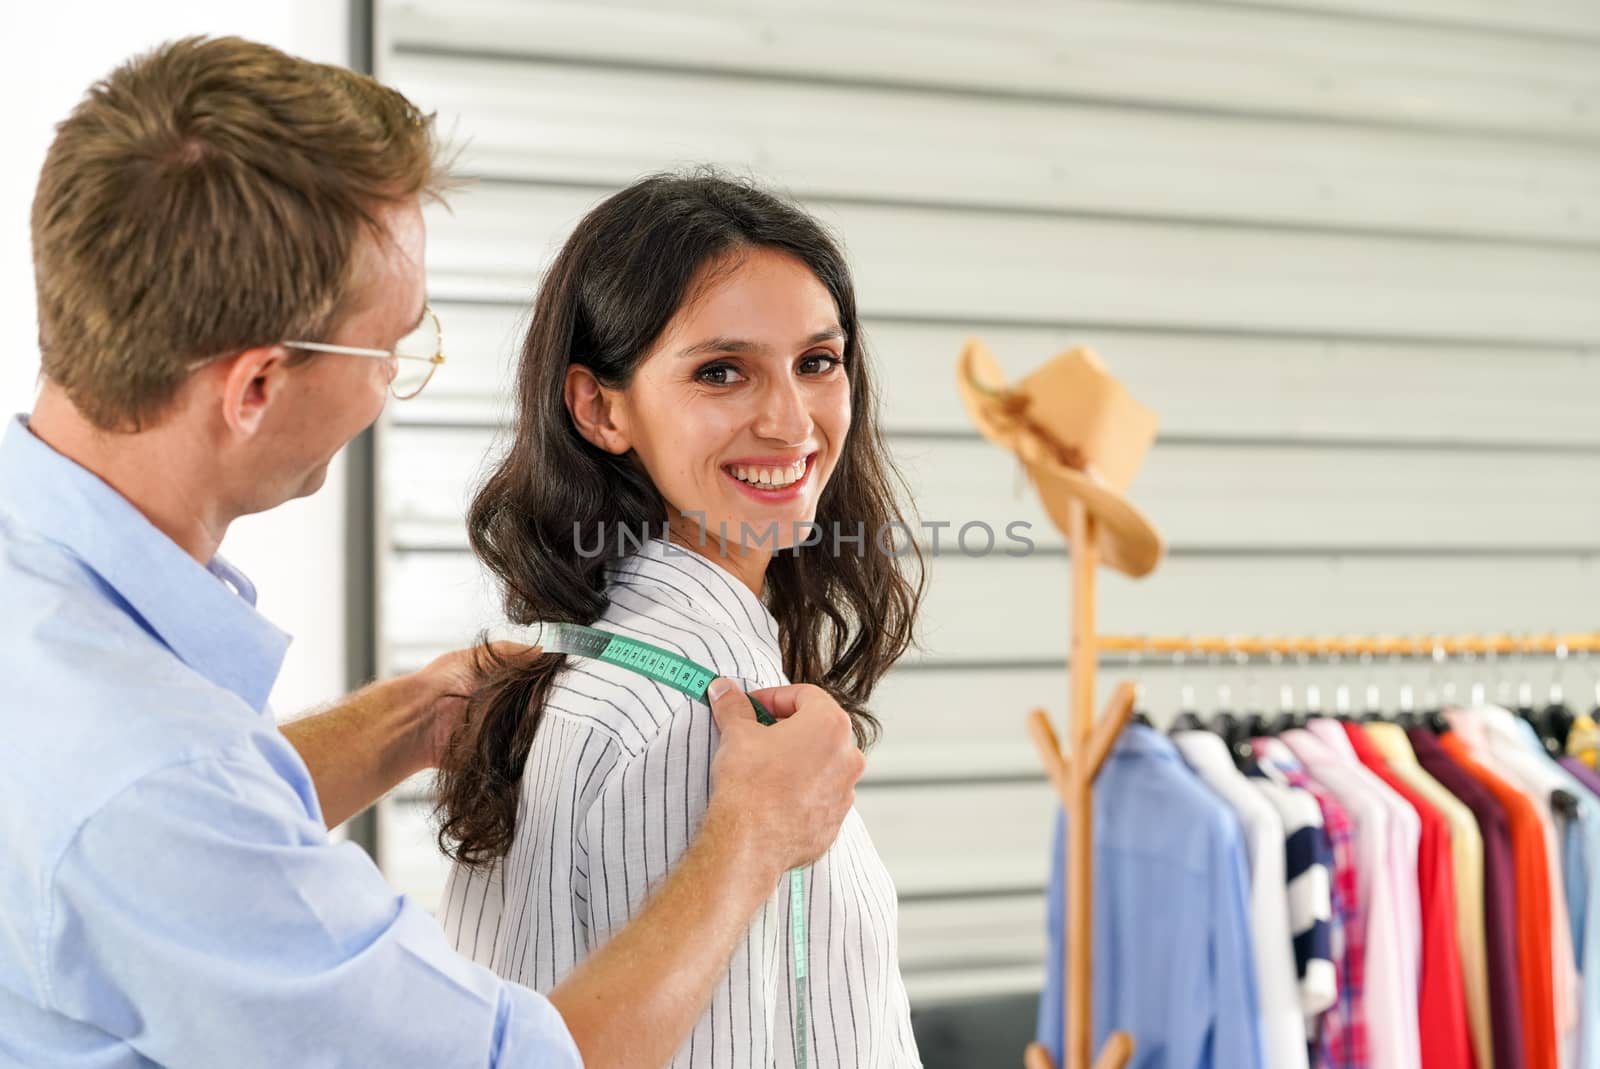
(416, 356)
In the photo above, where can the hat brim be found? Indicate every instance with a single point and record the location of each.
(1128, 541)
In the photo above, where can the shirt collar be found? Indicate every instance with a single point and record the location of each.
(1500, 723)
(205, 615)
(1273, 756)
(1141, 741)
(1206, 752)
(1332, 735)
(1469, 728)
(1392, 742)
(710, 587)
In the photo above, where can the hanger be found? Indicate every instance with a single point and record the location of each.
(1237, 730)
(1341, 704)
(1406, 716)
(1565, 803)
(1258, 726)
(1555, 722)
(1187, 719)
(1525, 708)
(1374, 710)
(1284, 720)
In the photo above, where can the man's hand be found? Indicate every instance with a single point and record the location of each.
(779, 794)
(445, 684)
(791, 783)
(365, 746)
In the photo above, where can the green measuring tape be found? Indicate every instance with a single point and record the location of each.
(686, 677)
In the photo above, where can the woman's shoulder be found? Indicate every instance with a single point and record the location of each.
(633, 709)
(708, 634)
(600, 698)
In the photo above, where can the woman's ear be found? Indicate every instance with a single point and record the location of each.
(596, 411)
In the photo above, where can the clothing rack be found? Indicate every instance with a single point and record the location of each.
(1072, 769)
(1545, 644)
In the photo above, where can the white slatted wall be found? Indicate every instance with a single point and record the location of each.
(1349, 250)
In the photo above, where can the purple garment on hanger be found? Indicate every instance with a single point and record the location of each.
(1581, 772)
(1499, 891)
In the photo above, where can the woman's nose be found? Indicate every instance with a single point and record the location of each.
(783, 415)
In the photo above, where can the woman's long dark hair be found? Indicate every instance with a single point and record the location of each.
(843, 618)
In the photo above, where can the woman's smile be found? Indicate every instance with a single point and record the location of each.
(772, 480)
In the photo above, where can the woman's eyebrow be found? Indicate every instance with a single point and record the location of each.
(740, 345)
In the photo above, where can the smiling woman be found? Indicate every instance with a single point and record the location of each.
(695, 369)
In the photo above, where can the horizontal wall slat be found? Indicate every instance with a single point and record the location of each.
(1573, 19)
(1171, 55)
(434, 601)
(921, 263)
(554, 122)
(965, 982)
(935, 934)
(922, 831)
(1233, 387)
(1276, 497)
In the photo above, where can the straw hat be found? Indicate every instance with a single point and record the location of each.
(1080, 435)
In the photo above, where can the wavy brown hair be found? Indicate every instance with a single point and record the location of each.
(843, 619)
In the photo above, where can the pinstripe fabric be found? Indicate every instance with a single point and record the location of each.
(615, 787)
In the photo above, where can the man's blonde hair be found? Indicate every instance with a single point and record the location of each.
(204, 198)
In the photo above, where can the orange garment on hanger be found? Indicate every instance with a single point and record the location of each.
(1533, 907)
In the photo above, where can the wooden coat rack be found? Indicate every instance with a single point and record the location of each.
(1073, 770)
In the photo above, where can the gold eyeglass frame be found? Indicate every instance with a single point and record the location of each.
(384, 354)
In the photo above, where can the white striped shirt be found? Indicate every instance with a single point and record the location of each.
(614, 789)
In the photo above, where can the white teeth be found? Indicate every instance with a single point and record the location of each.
(772, 477)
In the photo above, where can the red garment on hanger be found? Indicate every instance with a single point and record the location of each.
(1442, 996)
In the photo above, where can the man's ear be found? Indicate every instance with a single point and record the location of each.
(251, 381)
(596, 411)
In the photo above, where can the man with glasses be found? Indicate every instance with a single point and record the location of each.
(228, 250)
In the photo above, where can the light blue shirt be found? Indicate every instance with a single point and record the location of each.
(1580, 859)
(169, 895)
(1174, 963)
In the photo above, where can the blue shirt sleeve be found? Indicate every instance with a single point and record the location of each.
(1575, 878)
(1052, 1009)
(1236, 1038)
(203, 917)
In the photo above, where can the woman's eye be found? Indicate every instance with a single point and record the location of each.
(717, 374)
(821, 363)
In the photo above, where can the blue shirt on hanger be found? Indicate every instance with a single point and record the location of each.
(1581, 869)
(1173, 959)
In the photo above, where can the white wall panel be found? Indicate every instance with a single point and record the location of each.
(551, 122)
(1576, 20)
(913, 262)
(1190, 57)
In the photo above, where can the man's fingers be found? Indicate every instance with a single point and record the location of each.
(783, 701)
(728, 703)
(516, 651)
